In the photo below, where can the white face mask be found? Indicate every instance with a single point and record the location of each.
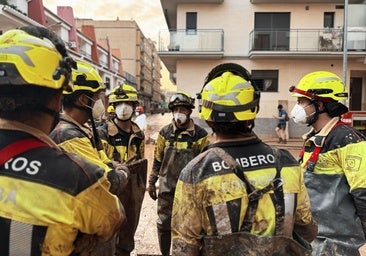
(299, 115)
(180, 118)
(137, 113)
(124, 111)
(98, 109)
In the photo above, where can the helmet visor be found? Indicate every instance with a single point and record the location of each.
(180, 98)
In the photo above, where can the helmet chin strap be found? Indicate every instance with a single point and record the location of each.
(51, 112)
(86, 108)
(315, 115)
(47, 110)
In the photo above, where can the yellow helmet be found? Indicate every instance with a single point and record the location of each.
(181, 99)
(229, 95)
(86, 78)
(34, 56)
(122, 93)
(320, 85)
(110, 109)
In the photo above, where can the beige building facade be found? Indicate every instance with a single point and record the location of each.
(277, 41)
(140, 61)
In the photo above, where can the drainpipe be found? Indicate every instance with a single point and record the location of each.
(109, 54)
(345, 47)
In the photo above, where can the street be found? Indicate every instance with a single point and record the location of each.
(146, 241)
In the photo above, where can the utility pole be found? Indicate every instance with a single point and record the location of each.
(345, 47)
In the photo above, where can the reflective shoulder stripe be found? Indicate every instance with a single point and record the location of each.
(20, 238)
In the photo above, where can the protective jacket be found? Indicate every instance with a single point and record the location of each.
(72, 137)
(48, 196)
(122, 147)
(211, 200)
(335, 177)
(174, 149)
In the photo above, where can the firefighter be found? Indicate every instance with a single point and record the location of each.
(177, 144)
(74, 134)
(333, 160)
(111, 112)
(240, 196)
(45, 192)
(124, 142)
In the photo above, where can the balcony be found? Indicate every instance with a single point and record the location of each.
(182, 43)
(201, 40)
(305, 42)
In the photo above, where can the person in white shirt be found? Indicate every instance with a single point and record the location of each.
(140, 119)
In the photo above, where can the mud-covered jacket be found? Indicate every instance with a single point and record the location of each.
(210, 199)
(48, 196)
(336, 183)
(72, 137)
(120, 145)
(193, 137)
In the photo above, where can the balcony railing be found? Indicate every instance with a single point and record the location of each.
(201, 40)
(306, 40)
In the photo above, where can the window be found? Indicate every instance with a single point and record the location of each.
(107, 83)
(329, 20)
(266, 80)
(191, 22)
(271, 31)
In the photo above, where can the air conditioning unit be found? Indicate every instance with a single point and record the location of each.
(72, 44)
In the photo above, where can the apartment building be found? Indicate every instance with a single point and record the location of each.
(278, 41)
(84, 43)
(81, 45)
(138, 54)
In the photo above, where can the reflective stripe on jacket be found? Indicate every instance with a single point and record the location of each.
(337, 188)
(72, 137)
(211, 200)
(120, 145)
(194, 137)
(49, 196)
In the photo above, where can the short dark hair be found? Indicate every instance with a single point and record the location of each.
(232, 127)
(21, 102)
(280, 106)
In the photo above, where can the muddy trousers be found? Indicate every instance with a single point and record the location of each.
(165, 205)
(164, 242)
(131, 199)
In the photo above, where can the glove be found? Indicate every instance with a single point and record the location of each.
(152, 188)
(152, 191)
(118, 179)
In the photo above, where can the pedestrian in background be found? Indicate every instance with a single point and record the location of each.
(334, 164)
(52, 202)
(124, 142)
(177, 144)
(73, 133)
(240, 196)
(281, 128)
(140, 119)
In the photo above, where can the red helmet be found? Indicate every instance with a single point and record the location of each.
(140, 109)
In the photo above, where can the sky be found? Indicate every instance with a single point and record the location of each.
(148, 15)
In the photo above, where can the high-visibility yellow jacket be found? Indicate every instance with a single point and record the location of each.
(73, 137)
(210, 199)
(48, 197)
(193, 137)
(336, 183)
(120, 145)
